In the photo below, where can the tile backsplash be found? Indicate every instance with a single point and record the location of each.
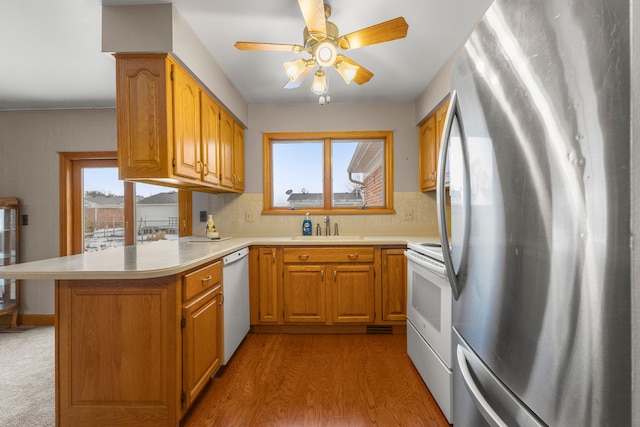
(241, 214)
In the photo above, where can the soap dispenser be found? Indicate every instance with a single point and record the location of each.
(306, 226)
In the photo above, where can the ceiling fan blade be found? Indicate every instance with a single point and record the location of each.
(362, 75)
(269, 46)
(298, 81)
(385, 31)
(314, 18)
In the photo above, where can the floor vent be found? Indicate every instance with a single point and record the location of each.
(379, 329)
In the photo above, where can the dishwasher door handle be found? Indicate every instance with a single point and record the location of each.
(235, 256)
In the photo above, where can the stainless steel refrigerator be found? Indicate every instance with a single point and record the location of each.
(536, 157)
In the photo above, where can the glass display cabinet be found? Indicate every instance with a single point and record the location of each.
(9, 288)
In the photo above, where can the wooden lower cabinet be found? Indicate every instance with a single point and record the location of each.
(394, 285)
(305, 294)
(123, 356)
(202, 342)
(332, 285)
(353, 293)
(269, 284)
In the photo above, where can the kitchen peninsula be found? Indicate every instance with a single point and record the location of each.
(128, 321)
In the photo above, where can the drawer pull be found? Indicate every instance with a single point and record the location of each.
(206, 279)
(303, 257)
(353, 256)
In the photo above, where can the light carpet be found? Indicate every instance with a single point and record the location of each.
(27, 377)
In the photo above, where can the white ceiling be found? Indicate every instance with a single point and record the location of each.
(50, 51)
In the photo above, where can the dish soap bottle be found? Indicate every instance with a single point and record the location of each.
(211, 229)
(306, 226)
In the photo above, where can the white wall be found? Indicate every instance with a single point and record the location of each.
(29, 146)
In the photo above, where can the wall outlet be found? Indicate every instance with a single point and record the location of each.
(408, 215)
(250, 216)
(203, 216)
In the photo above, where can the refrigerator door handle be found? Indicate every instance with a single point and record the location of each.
(452, 113)
(478, 399)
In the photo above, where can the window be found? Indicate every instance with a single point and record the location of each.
(100, 212)
(344, 172)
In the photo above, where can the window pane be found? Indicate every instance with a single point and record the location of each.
(358, 173)
(156, 213)
(297, 174)
(103, 209)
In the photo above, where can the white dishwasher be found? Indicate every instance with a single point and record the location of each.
(235, 287)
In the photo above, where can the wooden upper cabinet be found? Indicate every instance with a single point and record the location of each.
(186, 114)
(171, 131)
(210, 139)
(144, 125)
(430, 134)
(238, 157)
(226, 150)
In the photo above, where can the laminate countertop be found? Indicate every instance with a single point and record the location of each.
(168, 257)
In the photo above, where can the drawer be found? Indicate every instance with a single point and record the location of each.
(200, 280)
(332, 254)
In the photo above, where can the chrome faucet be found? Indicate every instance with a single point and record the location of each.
(328, 225)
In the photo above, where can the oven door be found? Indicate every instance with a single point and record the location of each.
(429, 303)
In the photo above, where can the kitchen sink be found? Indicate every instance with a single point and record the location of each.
(329, 238)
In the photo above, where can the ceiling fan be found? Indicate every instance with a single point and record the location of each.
(322, 41)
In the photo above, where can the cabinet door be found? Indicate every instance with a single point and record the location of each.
(428, 154)
(210, 123)
(226, 150)
(304, 293)
(143, 96)
(238, 157)
(186, 113)
(353, 293)
(394, 285)
(202, 342)
(267, 259)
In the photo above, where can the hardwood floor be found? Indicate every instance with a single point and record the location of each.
(318, 380)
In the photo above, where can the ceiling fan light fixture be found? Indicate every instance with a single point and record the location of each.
(326, 53)
(319, 85)
(294, 69)
(346, 70)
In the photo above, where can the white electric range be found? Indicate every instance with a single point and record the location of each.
(429, 301)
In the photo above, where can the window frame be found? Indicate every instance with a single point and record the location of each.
(268, 138)
(71, 200)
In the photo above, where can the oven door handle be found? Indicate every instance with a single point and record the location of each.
(413, 257)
